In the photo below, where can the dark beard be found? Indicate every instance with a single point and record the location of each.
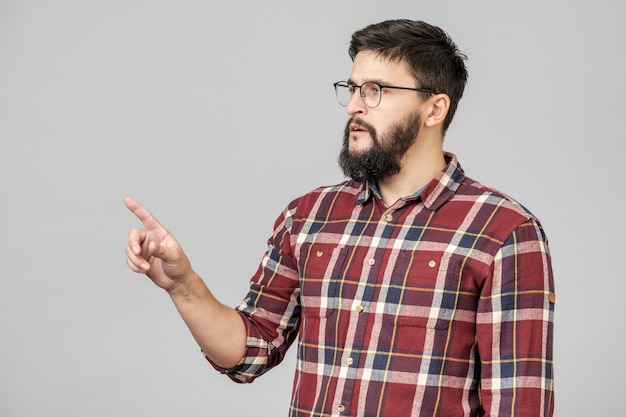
(382, 159)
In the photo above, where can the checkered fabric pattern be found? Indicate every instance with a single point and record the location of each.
(440, 305)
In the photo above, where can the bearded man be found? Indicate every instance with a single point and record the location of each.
(412, 289)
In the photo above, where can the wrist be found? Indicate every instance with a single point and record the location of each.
(185, 286)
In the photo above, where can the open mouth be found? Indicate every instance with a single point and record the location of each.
(355, 128)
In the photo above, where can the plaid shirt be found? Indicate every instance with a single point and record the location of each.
(440, 305)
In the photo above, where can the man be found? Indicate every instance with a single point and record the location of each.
(413, 289)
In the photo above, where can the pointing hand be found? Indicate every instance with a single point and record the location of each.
(154, 251)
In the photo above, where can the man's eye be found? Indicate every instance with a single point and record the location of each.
(372, 89)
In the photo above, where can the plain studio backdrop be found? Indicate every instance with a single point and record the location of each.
(215, 114)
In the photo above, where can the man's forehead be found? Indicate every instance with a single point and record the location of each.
(372, 66)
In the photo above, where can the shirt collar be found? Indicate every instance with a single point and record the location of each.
(434, 194)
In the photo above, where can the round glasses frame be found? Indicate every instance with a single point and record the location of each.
(371, 93)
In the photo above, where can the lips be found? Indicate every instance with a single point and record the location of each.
(357, 128)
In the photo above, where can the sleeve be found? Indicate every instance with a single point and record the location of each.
(271, 309)
(515, 328)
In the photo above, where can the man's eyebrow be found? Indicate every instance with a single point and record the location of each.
(378, 81)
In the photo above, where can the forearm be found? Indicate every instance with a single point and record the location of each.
(218, 329)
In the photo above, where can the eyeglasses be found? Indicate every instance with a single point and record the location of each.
(371, 93)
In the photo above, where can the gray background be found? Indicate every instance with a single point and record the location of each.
(216, 114)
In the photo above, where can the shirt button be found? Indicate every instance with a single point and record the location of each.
(319, 253)
(389, 217)
(432, 263)
(371, 261)
(349, 361)
(341, 408)
(358, 308)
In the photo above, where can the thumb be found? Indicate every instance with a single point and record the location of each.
(166, 253)
(173, 261)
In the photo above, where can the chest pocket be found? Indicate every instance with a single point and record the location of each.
(320, 268)
(424, 292)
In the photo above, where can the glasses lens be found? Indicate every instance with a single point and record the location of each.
(343, 93)
(371, 93)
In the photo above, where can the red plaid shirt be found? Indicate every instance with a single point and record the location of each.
(440, 305)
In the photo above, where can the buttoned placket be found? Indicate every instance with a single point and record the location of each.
(351, 358)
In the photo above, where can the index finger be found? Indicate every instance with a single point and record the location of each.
(148, 220)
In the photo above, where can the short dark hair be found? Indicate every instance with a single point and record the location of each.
(433, 58)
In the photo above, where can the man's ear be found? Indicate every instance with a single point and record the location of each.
(438, 110)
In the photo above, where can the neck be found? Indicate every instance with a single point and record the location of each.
(419, 166)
